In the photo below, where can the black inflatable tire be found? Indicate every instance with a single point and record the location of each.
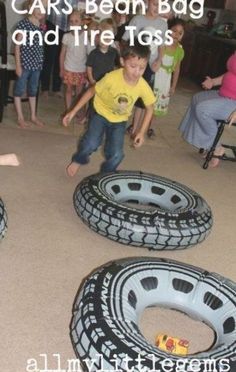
(107, 308)
(3, 220)
(181, 217)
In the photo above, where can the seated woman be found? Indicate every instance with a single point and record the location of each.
(9, 159)
(199, 126)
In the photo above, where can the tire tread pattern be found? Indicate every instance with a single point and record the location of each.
(158, 231)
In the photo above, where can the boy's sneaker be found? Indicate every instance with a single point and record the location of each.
(151, 133)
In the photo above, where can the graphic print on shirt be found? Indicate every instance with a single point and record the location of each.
(122, 102)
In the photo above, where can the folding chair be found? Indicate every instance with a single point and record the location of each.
(221, 126)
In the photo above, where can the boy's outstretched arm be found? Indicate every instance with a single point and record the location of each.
(83, 100)
(139, 138)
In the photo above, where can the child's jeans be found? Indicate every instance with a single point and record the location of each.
(114, 141)
(29, 79)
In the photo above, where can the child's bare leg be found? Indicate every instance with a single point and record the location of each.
(68, 96)
(20, 117)
(72, 169)
(9, 159)
(79, 90)
(150, 130)
(138, 114)
(81, 115)
(35, 120)
(219, 151)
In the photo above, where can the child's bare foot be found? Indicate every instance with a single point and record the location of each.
(9, 159)
(72, 169)
(23, 124)
(214, 162)
(38, 122)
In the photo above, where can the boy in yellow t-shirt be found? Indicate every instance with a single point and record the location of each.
(114, 98)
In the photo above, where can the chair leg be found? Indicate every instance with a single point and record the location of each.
(210, 154)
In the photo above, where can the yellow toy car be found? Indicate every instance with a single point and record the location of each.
(172, 345)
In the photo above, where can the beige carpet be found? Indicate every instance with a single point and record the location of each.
(48, 250)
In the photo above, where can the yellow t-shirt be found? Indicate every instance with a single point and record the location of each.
(114, 97)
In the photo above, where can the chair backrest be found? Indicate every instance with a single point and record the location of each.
(3, 34)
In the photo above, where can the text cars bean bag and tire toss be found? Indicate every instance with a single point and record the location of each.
(3, 220)
(143, 210)
(108, 306)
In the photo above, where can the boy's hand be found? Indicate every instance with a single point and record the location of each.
(208, 83)
(138, 140)
(67, 119)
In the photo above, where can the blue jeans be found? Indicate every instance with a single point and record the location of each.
(29, 79)
(92, 139)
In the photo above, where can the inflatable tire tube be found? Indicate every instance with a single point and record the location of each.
(3, 220)
(179, 217)
(104, 326)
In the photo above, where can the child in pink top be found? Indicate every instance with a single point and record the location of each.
(227, 81)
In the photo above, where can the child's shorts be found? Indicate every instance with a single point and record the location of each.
(28, 81)
(75, 78)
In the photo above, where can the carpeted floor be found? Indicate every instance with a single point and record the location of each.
(48, 250)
